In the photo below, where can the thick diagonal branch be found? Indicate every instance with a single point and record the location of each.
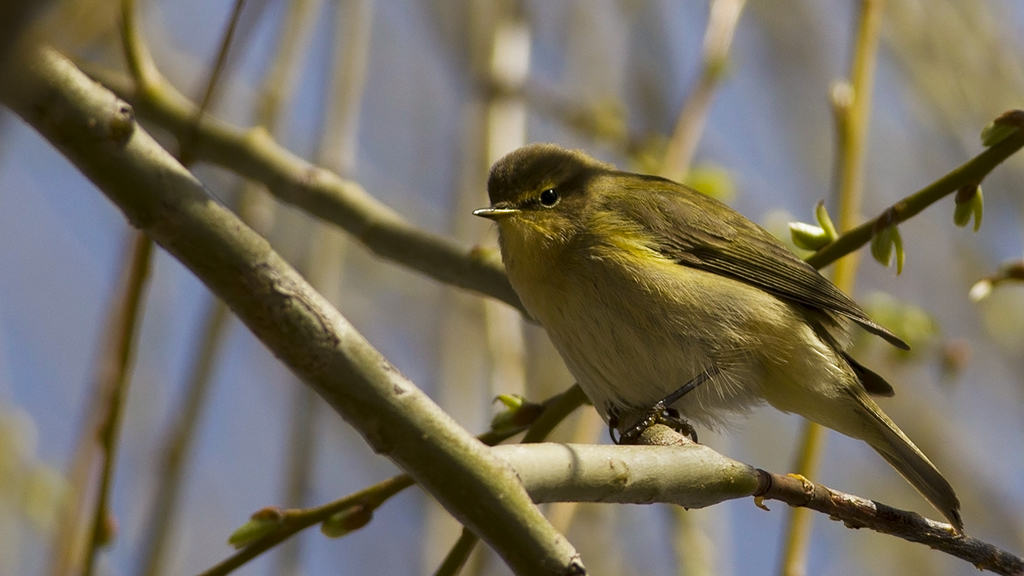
(96, 131)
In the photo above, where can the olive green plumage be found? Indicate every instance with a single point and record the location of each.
(643, 283)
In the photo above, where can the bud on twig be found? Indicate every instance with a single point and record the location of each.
(1002, 127)
(261, 523)
(969, 204)
(887, 240)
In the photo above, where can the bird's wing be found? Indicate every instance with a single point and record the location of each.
(731, 245)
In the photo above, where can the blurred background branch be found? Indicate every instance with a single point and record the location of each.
(852, 120)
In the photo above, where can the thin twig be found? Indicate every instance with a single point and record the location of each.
(974, 171)
(797, 530)
(372, 497)
(122, 357)
(856, 512)
(294, 521)
(186, 143)
(176, 450)
(459, 554)
(70, 537)
(853, 511)
(853, 147)
(722, 20)
(555, 410)
(136, 52)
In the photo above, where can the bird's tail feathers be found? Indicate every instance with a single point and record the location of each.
(911, 463)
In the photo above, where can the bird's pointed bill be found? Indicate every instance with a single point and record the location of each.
(495, 213)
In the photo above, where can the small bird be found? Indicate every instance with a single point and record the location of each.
(654, 293)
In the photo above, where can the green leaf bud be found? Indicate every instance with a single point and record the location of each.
(346, 521)
(261, 523)
(1002, 127)
(969, 205)
(885, 243)
(808, 236)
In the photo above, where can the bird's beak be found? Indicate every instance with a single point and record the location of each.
(493, 213)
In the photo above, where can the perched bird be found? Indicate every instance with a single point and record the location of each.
(653, 292)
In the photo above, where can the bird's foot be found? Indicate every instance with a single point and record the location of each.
(660, 413)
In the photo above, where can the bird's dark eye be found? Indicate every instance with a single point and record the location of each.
(549, 197)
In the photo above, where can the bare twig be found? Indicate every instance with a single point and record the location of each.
(856, 512)
(122, 355)
(69, 539)
(724, 15)
(212, 82)
(797, 531)
(176, 449)
(140, 61)
(458, 554)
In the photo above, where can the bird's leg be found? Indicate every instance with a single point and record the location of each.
(613, 422)
(661, 413)
(658, 414)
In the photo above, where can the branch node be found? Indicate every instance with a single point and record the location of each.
(122, 123)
